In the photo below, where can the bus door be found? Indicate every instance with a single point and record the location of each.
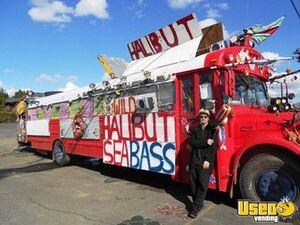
(187, 107)
(194, 91)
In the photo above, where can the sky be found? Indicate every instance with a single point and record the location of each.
(48, 45)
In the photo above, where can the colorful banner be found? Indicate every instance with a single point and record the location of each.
(87, 107)
(261, 33)
(47, 110)
(40, 113)
(55, 111)
(64, 110)
(140, 141)
(75, 107)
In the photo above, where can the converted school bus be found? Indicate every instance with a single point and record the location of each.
(140, 120)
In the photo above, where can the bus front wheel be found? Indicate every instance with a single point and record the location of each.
(59, 154)
(268, 177)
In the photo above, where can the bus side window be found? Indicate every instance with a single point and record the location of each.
(103, 104)
(75, 107)
(64, 110)
(99, 105)
(206, 92)
(32, 114)
(245, 92)
(47, 110)
(261, 91)
(55, 111)
(88, 107)
(166, 97)
(40, 113)
(145, 98)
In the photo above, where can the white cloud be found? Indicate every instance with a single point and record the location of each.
(136, 10)
(105, 77)
(270, 55)
(45, 78)
(50, 11)
(207, 22)
(213, 13)
(179, 4)
(118, 65)
(1, 84)
(139, 13)
(71, 78)
(8, 70)
(11, 91)
(213, 10)
(206, 5)
(223, 6)
(96, 8)
(54, 78)
(58, 76)
(273, 55)
(69, 86)
(57, 12)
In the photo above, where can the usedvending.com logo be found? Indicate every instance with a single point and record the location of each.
(267, 211)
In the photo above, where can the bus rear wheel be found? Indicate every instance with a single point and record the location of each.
(59, 154)
(267, 177)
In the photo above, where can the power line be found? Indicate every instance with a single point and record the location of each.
(295, 8)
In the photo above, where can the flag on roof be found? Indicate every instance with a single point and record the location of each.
(261, 33)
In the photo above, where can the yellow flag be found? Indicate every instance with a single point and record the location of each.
(106, 66)
(21, 107)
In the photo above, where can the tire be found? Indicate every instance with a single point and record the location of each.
(267, 177)
(59, 154)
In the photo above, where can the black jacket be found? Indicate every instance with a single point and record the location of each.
(201, 150)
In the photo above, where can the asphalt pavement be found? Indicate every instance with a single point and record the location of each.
(35, 191)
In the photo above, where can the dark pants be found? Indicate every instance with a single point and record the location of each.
(199, 183)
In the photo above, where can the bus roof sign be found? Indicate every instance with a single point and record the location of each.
(165, 38)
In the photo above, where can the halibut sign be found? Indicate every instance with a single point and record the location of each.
(165, 38)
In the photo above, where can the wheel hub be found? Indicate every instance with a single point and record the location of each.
(58, 154)
(272, 185)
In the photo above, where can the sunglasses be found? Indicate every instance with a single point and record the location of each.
(205, 117)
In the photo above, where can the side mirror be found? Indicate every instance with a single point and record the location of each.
(229, 83)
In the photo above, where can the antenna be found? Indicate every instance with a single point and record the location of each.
(295, 8)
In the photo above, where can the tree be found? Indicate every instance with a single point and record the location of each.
(19, 94)
(3, 96)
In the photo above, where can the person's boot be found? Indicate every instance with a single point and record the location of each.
(192, 214)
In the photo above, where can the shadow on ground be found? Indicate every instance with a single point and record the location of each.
(149, 180)
(31, 167)
(27, 169)
(155, 182)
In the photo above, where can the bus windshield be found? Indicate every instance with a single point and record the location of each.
(249, 90)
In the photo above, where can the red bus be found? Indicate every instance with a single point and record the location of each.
(140, 120)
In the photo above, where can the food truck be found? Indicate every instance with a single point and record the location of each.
(141, 119)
